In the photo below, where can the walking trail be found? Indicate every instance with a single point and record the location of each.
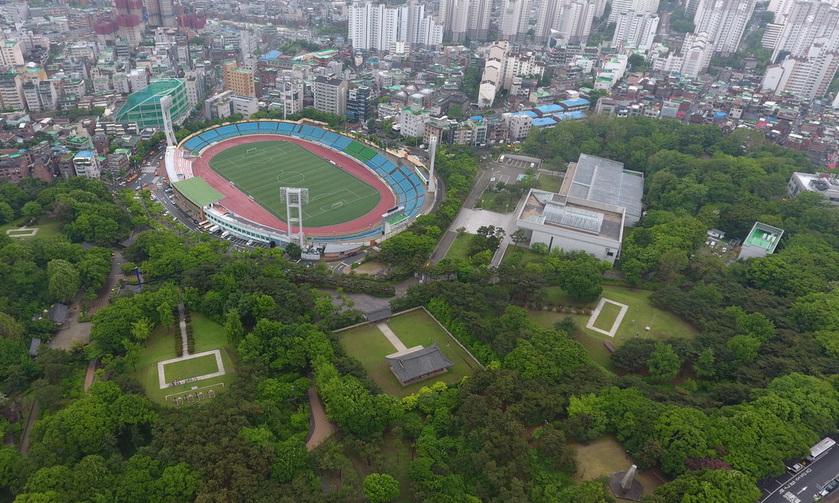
(182, 324)
(320, 427)
(398, 345)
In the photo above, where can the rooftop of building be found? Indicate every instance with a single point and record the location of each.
(418, 363)
(606, 181)
(153, 92)
(555, 210)
(198, 191)
(763, 236)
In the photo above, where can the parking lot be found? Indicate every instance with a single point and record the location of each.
(805, 486)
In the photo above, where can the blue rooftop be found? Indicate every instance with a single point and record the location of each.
(476, 118)
(271, 55)
(543, 122)
(575, 102)
(85, 153)
(549, 109)
(566, 116)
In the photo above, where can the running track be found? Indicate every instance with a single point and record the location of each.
(239, 203)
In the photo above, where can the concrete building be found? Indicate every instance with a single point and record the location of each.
(129, 20)
(86, 164)
(514, 17)
(195, 87)
(697, 51)
(493, 74)
(807, 22)
(724, 21)
(606, 181)
(454, 15)
(359, 104)
(138, 79)
(825, 184)
(412, 121)
(241, 81)
(518, 125)
(635, 30)
(638, 6)
(571, 224)
(143, 108)
(373, 26)
(11, 91)
(330, 95)
(805, 77)
(760, 242)
(11, 53)
(480, 12)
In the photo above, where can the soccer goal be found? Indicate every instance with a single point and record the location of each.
(251, 150)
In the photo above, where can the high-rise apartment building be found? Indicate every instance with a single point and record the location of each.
(161, 13)
(378, 27)
(330, 95)
(514, 17)
(805, 77)
(129, 20)
(359, 104)
(566, 20)
(808, 21)
(635, 30)
(480, 12)
(641, 6)
(454, 14)
(11, 91)
(238, 79)
(724, 21)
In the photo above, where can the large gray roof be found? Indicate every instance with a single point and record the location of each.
(606, 181)
(421, 362)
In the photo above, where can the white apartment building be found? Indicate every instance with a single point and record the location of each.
(454, 14)
(11, 91)
(412, 121)
(480, 12)
(635, 30)
(518, 125)
(491, 79)
(807, 22)
(805, 77)
(514, 17)
(85, 163)
(378, 27)
(138, 80)
(724, 21)
(120, 82)
(573, 21)
(641, 6)
(195, 87)
(11, 53)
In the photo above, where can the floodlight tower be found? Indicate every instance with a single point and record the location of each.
(432, 152)
(166, 112)
(295, 198)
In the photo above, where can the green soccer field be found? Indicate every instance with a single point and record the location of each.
(259, 169)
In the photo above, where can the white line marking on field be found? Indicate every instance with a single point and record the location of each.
(161, 376)
(618, 319)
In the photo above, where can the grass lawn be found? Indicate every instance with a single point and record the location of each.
(606, 456)
(500, 202)
(460, 247)
(549, 183)
(161, 346)
(641, 314)
(520, 255)
(190, 368)
(46, 228)
(369, 346)
(260, 169)
(608, 315)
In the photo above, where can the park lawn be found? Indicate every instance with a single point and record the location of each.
(460, 247)
(549, 183)
(160, 345)
(608, 315)
(605, 456)
(499, 202)
(46, 228)
(641, 314)
(369, 346)
(190, 368)
(259, 169)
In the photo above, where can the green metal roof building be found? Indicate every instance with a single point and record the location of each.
(143, 107)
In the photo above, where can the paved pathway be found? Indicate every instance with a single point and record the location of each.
(398, 345)
(90, 375)
(30, 423)
(182, 325)
(320, 428)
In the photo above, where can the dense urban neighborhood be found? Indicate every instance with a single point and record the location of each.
(460, 251)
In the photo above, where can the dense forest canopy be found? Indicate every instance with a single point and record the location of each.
(712, 413)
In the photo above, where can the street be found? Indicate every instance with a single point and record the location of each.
(805, 485)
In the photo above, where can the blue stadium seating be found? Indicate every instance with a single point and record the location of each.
(248, 127)
(268, 126)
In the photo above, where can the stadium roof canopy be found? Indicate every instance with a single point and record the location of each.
(198, 191)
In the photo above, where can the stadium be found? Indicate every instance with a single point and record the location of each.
(232, 179)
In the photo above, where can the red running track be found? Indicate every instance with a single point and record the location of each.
(239, 203)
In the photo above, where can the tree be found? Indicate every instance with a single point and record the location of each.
(664, 363)
(64, 280)
(705, 365)
(487, 237)
(141, 329)
(579, 274)
(7, 214)
(293, 251)
(407, 251)
(31, 210)
(730, 486)
(233, 327)
(178, 483)
(380, 488)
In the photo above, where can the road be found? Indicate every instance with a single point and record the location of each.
(471, 199)
(802, 487)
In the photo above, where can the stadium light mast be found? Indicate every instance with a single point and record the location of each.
(295, 198)
(432, 153)
(166, 112)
